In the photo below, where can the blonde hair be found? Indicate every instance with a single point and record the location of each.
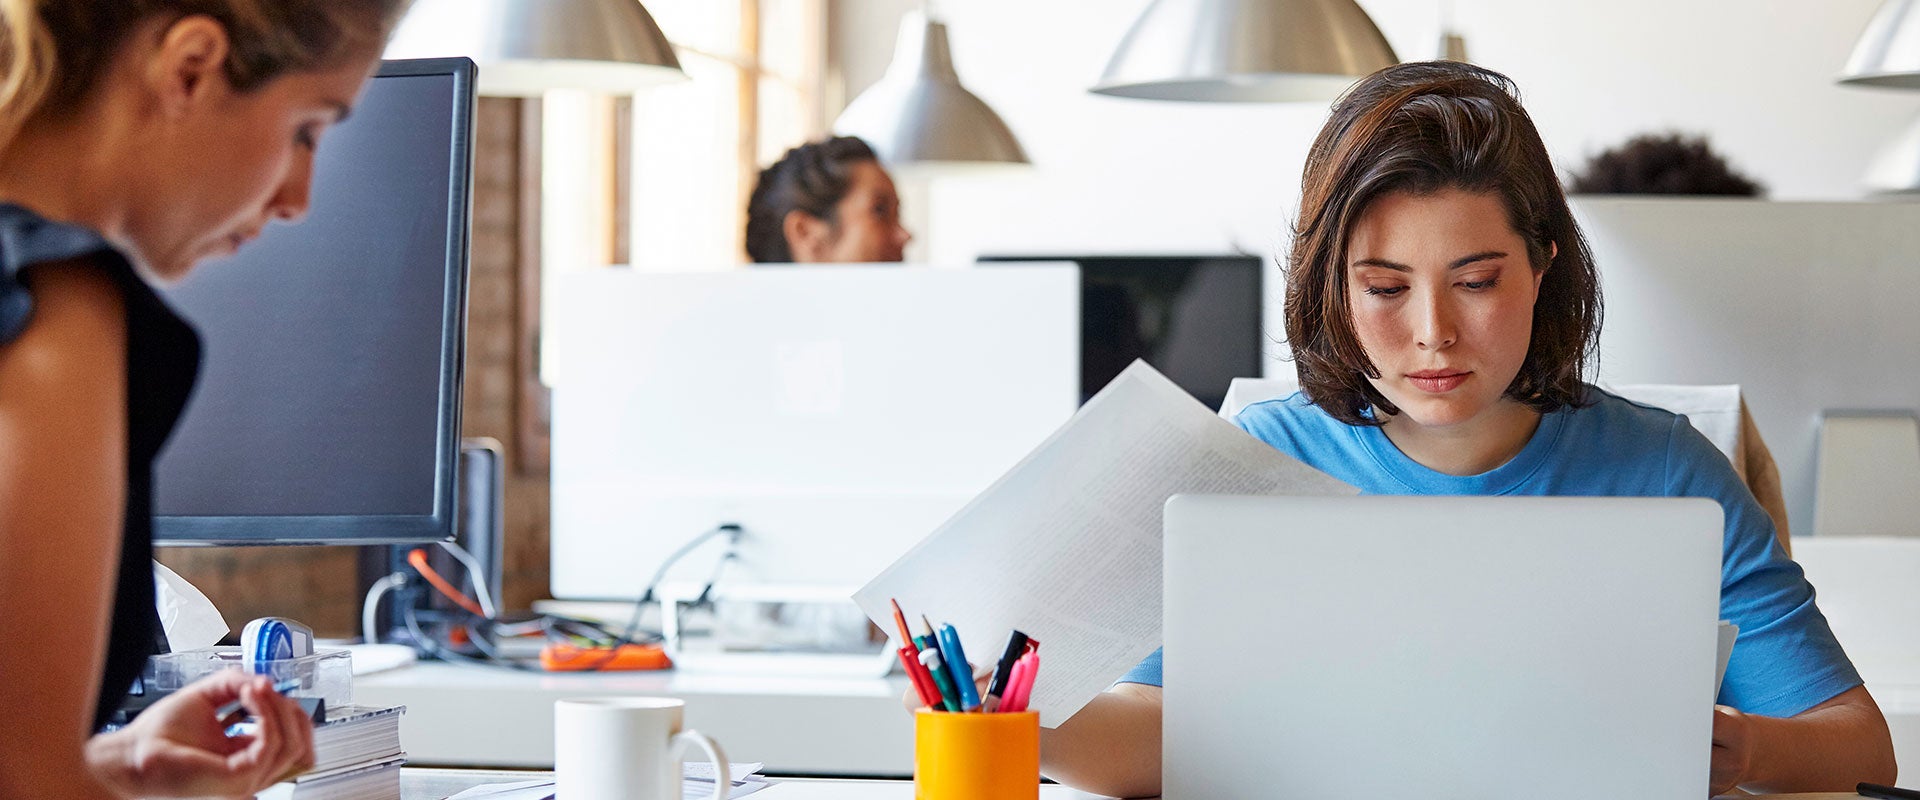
(54, 52)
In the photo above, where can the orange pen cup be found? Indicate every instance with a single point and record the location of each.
(976, 756)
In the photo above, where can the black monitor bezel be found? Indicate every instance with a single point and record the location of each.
(1089, 262)
(364, 529)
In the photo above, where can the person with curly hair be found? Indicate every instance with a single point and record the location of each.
(1663, 163)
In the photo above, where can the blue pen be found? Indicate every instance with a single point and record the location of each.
(957, 664)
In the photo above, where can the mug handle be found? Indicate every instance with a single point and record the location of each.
(722, 774)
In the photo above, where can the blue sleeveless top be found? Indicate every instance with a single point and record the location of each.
(163, 358)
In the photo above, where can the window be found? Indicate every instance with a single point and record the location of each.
(661, 180)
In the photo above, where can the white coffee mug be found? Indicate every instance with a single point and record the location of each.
(626, 748)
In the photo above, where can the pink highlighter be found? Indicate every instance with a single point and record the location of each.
(1020, 686)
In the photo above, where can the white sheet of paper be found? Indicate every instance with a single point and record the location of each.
(1066, 546)
(521, 790)
(703, 770)
(697, 783)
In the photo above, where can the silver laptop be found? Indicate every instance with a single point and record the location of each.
(1443, 647)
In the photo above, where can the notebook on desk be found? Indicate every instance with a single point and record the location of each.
(1441, 646)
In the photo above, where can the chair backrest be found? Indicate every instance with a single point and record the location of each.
(1718, 412)
(1868, 471)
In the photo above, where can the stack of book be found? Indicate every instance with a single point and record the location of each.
(356, 754)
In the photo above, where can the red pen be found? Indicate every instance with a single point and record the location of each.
(906, 636)
(923, 684)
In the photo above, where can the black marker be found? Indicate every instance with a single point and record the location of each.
(1016, 647)
(1886, 792)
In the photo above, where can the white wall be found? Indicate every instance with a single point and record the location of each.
(1756, 76)
(1116, 175)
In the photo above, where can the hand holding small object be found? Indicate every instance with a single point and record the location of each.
(179, 747)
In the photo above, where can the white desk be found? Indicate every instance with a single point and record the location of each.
(478, 717)
(437, 784)
(1864, 587)
(461, 715)
(1901, 705)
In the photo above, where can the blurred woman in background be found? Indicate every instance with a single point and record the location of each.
(826, 202)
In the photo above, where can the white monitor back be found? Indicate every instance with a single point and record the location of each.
(1478, 647)
(838, 414)
(1807, 306)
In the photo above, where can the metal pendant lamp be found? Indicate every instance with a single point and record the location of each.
(1888, 52)
(1246, 51)
(526, 47)
(918, 114)
(1887, 56)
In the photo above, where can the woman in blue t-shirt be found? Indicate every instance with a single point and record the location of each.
(1442, 306)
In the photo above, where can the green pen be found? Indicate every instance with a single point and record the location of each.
(949, 694)
(929, 643)
(925, 640)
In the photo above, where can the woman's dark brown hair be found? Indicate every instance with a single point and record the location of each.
(1422, 128)
(811, 178)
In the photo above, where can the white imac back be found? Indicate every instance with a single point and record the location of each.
(1809, 307)
(838, 414)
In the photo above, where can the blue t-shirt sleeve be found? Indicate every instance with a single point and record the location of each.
(1146, 672)
(1786, 659)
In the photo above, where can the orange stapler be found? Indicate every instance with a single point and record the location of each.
(569, 658)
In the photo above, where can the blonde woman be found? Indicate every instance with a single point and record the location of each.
(137, 137)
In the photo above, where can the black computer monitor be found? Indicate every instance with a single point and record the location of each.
(1197, 319)
(328, 408)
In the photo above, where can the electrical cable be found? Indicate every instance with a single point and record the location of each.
(719, 567)
(557, 629)
(475, 576)
(730, 530)
(418, 558)
(433, 649)
(427, 647)
(588, 633)
(369, 612)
